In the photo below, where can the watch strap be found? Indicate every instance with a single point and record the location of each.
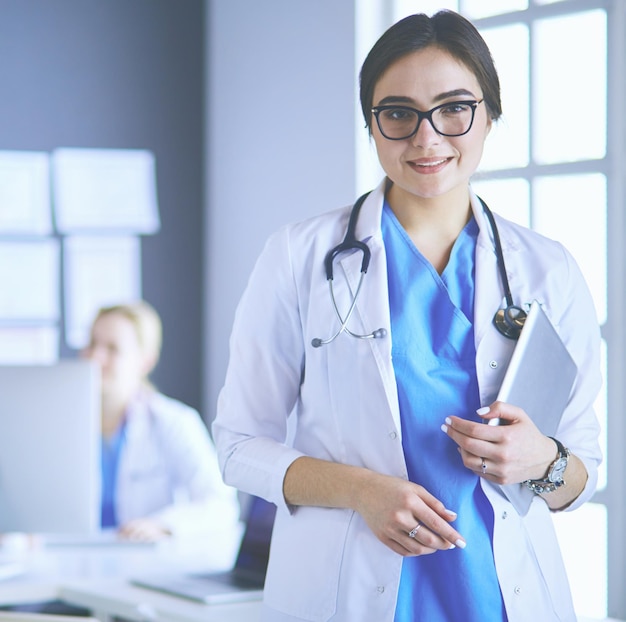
(545, 485)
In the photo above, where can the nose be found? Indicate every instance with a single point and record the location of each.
(95, 353)
(425, 135)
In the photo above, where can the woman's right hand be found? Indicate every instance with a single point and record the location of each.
(392, 507)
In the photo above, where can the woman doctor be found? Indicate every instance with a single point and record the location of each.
(159, 469)
(374, 449)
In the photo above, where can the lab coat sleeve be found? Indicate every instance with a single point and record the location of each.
(202, 503)
(263, 378)
(578, 326)
(544, 270)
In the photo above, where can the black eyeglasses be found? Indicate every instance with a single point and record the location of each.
(450, 119)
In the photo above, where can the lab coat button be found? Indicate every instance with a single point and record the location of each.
(504, 515)
(517, 590)
(493, 364)
(380, 589)
(393, 435)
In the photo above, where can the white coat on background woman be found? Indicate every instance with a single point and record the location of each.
(159, 467)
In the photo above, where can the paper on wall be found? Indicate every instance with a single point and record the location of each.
(104, 190)
(98, 271)
(25, 193)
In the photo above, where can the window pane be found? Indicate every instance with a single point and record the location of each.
(485, 8)
(507, 197)
(572, 209)
(585, 558)
(569, 51)
(507, 144)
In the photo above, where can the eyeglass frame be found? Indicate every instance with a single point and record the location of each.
(473, 103)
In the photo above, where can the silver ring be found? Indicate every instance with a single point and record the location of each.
(483, 466)
(413, 531)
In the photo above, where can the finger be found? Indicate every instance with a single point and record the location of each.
(462, 430)
(437, 506)
(481, 466)
(434, 531)
(427, 540)
(409, 547)
(437, 533)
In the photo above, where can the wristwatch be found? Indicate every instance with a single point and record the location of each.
(554, 478)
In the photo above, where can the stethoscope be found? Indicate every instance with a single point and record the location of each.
(509, 321)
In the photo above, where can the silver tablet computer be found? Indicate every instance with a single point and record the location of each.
(539, 379)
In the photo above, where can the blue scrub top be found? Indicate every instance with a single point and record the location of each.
(111, 450)
(434, 360)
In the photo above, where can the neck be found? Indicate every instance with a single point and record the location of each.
(113, 410)
(433, 224)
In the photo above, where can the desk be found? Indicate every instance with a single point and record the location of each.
(96, 576)
(119, 598)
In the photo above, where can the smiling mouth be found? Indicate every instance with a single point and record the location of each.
(431, 164)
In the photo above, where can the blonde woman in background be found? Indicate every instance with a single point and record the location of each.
(159, 468)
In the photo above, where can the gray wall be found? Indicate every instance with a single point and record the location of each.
(249, 108)
(279, 138)
(123, 74)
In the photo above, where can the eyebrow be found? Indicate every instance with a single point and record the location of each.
(403, 99)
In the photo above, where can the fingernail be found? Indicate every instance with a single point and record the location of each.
(451, 513)
(444, 428)
(451, 547)
(448, 421)
(460, 543)
(483, 411)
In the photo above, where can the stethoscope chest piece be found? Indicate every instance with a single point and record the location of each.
(510, 321)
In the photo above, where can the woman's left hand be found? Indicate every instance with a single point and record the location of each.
(143, 530)
(509, 453)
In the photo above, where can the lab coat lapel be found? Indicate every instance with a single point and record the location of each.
(489, 292)
(372, 306)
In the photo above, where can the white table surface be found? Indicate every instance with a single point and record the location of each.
(96, 576)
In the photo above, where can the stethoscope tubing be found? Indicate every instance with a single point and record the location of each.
(509, 321)
(343, 321)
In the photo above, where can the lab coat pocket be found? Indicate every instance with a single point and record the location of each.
(305, 562)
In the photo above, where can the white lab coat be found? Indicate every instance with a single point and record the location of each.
(168, 470)
(342, 405)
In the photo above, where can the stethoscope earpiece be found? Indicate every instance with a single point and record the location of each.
(510, 321)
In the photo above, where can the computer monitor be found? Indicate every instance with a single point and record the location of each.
(50, 448)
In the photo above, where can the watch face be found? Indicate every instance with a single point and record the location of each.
(556, 472)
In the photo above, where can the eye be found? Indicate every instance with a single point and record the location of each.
(455, 108)
(398, 114)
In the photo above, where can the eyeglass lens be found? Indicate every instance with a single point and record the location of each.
(398, 122)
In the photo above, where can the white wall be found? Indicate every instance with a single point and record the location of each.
(280, 140)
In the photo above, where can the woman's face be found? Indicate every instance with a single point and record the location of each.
(114, 345)
(428, 165)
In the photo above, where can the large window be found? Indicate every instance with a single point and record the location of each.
(556, 162)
